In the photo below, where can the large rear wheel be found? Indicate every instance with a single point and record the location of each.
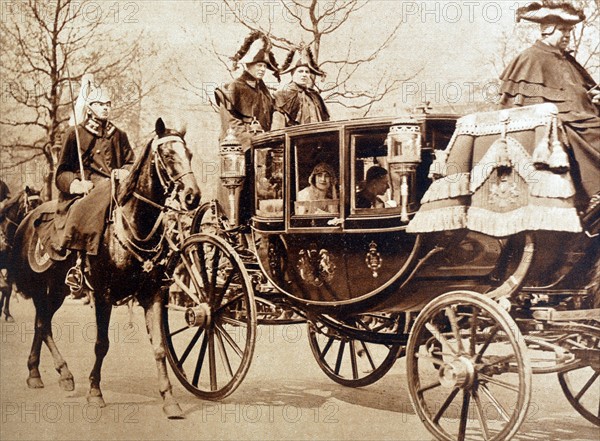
(351, 361)
(209, 317)
(468, 372)
(581, 383)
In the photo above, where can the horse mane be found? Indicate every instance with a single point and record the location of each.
(129, 185)
(12, 202)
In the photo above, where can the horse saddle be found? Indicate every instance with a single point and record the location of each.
(41, 252)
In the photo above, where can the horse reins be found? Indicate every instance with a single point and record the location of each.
(166, 182)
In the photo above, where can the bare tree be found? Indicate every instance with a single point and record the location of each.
(320, 25)
(585, 40)
(47, 47)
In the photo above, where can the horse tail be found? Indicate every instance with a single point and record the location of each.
(18, 268)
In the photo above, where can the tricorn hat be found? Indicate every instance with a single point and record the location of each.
(302, 57)
(551, 12)
(256, 49)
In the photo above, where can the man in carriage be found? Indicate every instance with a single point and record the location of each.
(298, 103)
(246, 105)
(548, 73)
(100, 149)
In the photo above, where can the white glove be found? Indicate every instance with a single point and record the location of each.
(120, 173)
(595, 93)
(80, 187)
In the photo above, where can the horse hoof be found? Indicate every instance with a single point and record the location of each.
(9, 319)
(96, 400)
(35, 383)
(67, 384)
(173, 411)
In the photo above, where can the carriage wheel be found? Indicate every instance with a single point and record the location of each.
(351, 362)
(209, 318)
(468, 372)
(581, 383)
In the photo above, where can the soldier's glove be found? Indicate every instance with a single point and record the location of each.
(80, 187)
(120, 173)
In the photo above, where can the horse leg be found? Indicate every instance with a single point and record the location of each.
(154, 327)
(103, 312)
(44, 311)
(5, 289)
(34, 380)
(66, 381)
(6, 295)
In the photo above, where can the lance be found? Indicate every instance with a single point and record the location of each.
(81, 169)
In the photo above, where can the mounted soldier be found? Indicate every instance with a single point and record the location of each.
(298, 102)
(93, 150)
(547, 73)
(246, 105)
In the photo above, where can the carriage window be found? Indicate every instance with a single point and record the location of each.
(269, 181)
(371, 180)
(316, 174)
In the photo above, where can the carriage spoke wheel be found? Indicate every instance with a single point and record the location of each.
(210, 330)
(581, 383)
(351, 362)
(469, 377)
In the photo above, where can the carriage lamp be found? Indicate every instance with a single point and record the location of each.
(233, 171)
(404, 155)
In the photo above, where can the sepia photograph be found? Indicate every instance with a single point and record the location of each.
(269, 220)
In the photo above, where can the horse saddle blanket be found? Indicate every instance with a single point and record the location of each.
(74, 225)
(503, 172)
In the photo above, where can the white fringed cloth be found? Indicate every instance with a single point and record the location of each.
(503, 172)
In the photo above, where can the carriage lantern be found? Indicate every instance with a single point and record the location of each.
(233, 171)
(404, 155)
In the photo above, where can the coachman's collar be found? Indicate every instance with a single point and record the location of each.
(98, 128)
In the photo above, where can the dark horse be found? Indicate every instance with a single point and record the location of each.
(127, 262)
(14, 211)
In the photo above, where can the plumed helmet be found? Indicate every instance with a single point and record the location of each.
(301, 57)
(256, 49)
(98, 94)
(551, 12)
(81, 102)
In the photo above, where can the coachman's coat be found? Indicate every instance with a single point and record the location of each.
(242, 101)
(544, 74)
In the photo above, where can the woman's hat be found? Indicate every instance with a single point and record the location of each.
(551, 12)
(301, 57)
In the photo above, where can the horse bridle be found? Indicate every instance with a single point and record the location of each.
(159, 163)
(26, 204)
(169, 184)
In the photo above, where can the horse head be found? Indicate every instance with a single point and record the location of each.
(30, 199)
(20, 205)
(163, 170)
(172, 160)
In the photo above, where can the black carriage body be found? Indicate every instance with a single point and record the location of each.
(332, 256)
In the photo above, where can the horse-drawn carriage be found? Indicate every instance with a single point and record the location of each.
(475, 266)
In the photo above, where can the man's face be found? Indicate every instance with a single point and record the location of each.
(257, 70)
(101, 109)
(380, 185)
(561, 37)
(301, 76)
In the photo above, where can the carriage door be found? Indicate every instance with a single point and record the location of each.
(314, 181)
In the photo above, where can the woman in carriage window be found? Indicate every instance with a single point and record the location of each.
(320, 197)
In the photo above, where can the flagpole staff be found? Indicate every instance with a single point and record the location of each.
(79, 156)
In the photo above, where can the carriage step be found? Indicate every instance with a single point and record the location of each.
(558, 316)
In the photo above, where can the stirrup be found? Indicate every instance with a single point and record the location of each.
(74, 278)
